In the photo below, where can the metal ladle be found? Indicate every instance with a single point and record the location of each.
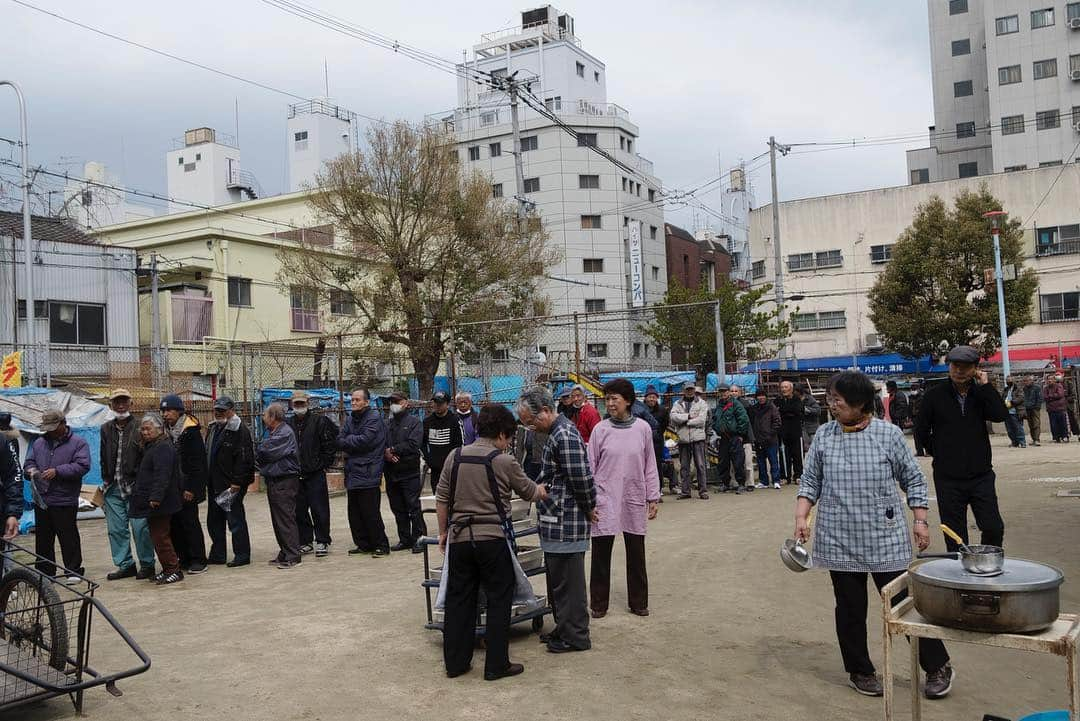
(956, 537)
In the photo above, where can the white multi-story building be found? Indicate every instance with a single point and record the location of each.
(834, 247)
(95, 200)
(317, 131)
(1006, 85)
(588, 204)
(204, 170)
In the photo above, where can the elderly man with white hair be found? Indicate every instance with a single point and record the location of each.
(278, 459)
(467, 417)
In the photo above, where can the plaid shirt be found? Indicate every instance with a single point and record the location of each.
(564, 516)
(853, 478)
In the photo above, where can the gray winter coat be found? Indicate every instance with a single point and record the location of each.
(277, 455)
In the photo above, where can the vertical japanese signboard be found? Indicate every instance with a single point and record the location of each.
(637, 269)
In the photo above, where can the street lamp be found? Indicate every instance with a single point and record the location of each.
(995, 231)
(28, 253)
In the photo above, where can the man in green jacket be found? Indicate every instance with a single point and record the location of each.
(731, 425)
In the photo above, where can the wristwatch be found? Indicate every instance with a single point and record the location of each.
(920, 522)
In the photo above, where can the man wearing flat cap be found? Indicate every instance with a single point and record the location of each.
(316, 437)
(404, 434)
(120, 452)
(952, 425)
(230, 458)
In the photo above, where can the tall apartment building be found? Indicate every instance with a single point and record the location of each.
(204, 169)
(589, 206)
(1006, 84)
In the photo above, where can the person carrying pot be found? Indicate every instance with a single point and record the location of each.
(851, 474)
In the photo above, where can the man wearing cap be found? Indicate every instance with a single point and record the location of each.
(1057, 409)
(441, 435)
(566, 403)
(363, 438)
(55, 465)
(688, 416)
(731, 425)
(230, 458)
(119, 455)
(185, 432)
(316, 435)
(11, 485)
(587, 416)
(952, 425)
(663, 419)
(402, 471)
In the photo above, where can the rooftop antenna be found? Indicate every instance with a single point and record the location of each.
(236, 119)
(326, 77)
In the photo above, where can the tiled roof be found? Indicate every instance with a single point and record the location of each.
(42, 228)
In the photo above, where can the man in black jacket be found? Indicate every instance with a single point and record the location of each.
(791, 417)
(230, 456)
(402, 472)
(11, 487)
(120, 449)
(952, 424)
(442, 434)
(185, 433)
(899, 409)
(663, 420)
(316, 436)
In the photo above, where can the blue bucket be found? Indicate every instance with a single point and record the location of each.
(1047, 716)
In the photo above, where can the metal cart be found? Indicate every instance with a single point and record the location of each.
(523, 528)
(45, 632)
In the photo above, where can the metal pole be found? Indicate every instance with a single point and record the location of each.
(720, 361)
(995, 231)
(519, 173)
(155, 324)
(340, 379)
(28, 252)
(577, 347)
(453, 364)
(778, 261)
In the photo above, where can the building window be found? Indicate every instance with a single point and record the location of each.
(829, 320)
(595, 305)
(496, 190)
(1014, 168)
(532, 185)
(622, 143)
(803, 321)
(198, 157)
(1009, 75)
(474, 152)
(629, 145)
(580, 69)
(829, 259)
(588, 182)
(652, 195)
(41, 309)
(239, 292)
(920, 175)
(1044, 69)
(965, 130)
(596, 75)
(499, 73)
(1042, 18)
(590, 222)
(596, 350)
(1057, 307)
(1012, 124)
(624, 184)
(301, 136)
(500, 355)
(592, 265)
(637, 350)
(961, 47)
(962, 89)
(625, 221)
(1072, 11)
(528, 143)
(1058, 241)
(342, 303)
(957, 7)
(639, 190)
(495, 150)
(1047, 120)
(1075, 114)
(586, 140)
(189, 167)
(800, 261)
(655, 273)
(757, 269)
(1049, 163)
(968, 170)
(652, 232)
(179, 161)
(76, 323)
(489, 118)
(304, 307)
(880, 253)
(1007, 25)
(554, 104)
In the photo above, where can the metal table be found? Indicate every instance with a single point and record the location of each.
(1060, 639)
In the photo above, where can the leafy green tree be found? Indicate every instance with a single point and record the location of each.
(748, 327)
(934, 292)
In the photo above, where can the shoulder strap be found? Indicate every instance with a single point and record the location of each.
(453, 484)
(493, 484)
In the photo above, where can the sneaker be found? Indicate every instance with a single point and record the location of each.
(71, 580)
(307, 549)
(322, 549)
(288, 564)
(352, 552)
(866, 684)
(760, 485)
(399, 546)
(1036, 443)
(238, 562)
(129, 572)
(380, 553)
(703, 496)
(749, 489)
(776, 486)
(157, 578)
(169, 579)
(682, 497)
(739, 490)
(939, 683)
(197, 568)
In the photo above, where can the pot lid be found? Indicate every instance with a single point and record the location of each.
(1017, 575)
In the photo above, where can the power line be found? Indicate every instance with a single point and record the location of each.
(1056, 179)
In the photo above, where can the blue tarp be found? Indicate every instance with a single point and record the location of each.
(505, 389)
(885, 364)
(746, 381)
(323, 397)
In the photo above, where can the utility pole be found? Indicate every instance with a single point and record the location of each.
(511, 87)
(778, 260)
(28, 253)
(995, 231)
(155, 324)
(720, 360)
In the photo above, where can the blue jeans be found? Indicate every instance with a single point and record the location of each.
(1015, 429)
(772, 454)
(117, 522)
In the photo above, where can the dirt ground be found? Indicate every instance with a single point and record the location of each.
(732, 635)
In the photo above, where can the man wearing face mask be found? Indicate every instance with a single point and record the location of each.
(316, 434)
(11, 487)
(185, 432)
(230, 455)
(587, 416)
(120, 450)
(467, 416)
(363, 438)
(402, 455)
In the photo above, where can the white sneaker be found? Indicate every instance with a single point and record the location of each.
(760, 485)
(776, 486)
(322, 549)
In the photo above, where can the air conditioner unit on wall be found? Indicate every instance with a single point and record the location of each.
(1074, 74)
(1076, 126)
(1074, 23)
(872, 342)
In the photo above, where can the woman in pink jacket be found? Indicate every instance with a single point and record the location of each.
(627, 493)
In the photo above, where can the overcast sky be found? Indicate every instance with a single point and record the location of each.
(706, 82)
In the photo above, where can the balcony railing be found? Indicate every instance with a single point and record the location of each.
(305, 321)
(602, 110)
(1062, 247)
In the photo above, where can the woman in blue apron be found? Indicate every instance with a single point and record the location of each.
(473, 505)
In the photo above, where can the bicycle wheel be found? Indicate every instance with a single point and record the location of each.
(32, 617)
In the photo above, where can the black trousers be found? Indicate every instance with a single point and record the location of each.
(235, 519)
(476, 565)
(365, 519)
(731, 452)
(281, 494)
(436, 471)
(956, 494)
(637, 580)
(849, 588)
(187, 535)
(52, 524)
(313, 509)
(792, 456)
(567, 598)
(404, 497)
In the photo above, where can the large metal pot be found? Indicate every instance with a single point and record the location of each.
(1022, 599)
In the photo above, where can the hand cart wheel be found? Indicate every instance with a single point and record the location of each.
(32, 617)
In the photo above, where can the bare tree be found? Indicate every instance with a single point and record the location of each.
(427, 247)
